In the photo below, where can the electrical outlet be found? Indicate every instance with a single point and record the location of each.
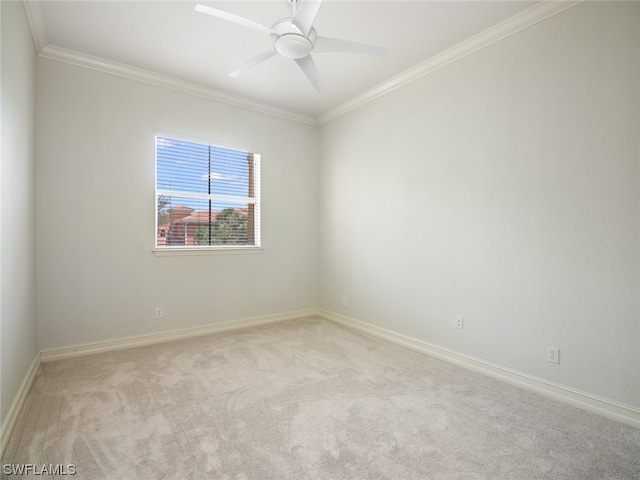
(345, 302)
(553, 355)
(159, 312)
(459, 322)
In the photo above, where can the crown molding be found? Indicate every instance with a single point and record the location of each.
(114, 68)
(34, 16)
(36, 23)
(504, 29)
(537, 13)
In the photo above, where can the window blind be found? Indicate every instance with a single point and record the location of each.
(206, 196)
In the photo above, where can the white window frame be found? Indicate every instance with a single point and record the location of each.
(171, 250)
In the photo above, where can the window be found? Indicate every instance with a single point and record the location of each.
(207, 197)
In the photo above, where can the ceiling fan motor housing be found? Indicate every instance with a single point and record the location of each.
(290, 42)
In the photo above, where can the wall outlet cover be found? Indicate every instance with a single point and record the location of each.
(553, 355)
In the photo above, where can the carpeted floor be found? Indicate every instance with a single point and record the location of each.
(304, 399)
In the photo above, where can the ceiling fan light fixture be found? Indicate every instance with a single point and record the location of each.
(292, 45)
(295, 38)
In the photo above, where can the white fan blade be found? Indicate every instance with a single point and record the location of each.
(308, 66)
(254, 62)
(245, 22)
(328, 44)
(306, 15)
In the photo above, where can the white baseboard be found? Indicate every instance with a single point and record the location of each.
(128, 342)
(18, 401)
(167, 336)
(607, 408)
(601, 406)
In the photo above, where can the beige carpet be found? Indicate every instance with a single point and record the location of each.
(304, 399)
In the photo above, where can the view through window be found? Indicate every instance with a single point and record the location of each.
(206, 196)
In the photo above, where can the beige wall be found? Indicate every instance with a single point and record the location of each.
(18, 346)
(502, 188)
(98, 278)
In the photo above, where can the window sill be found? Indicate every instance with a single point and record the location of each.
(179, 251)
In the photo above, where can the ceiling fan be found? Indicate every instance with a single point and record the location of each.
(294, 37)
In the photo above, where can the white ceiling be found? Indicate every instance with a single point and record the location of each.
(170, 38)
